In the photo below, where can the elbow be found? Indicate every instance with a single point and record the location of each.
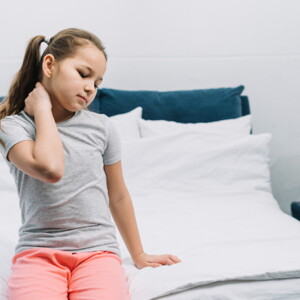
(53, 174)
(54, 177)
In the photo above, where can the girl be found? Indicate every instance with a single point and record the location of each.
(66, 162)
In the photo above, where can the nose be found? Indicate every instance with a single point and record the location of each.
(89, 87)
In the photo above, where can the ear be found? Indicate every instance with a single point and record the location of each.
(48, 65)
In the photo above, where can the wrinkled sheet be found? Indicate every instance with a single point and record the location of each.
(219, 237)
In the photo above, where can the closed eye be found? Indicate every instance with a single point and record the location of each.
(82, 74)
(85, 76)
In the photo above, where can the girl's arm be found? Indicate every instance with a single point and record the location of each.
(43, 158)
(122, 210)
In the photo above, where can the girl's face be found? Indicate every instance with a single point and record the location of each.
(72, 82)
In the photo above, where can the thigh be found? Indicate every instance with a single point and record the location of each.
(36, 276)
(100, 276)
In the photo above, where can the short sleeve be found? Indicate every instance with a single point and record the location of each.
(112, 152)
(11, 133)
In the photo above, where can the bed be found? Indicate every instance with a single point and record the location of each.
(200, 183)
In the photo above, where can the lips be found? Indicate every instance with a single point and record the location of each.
(84, 98)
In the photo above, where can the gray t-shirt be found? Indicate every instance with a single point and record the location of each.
(72, 214)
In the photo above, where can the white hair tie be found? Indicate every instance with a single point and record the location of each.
(47, 41)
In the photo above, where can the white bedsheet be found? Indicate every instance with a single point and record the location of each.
(218, 238)
(223, 229)
(280, 289)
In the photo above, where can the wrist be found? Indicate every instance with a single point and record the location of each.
(136, 257)
(43, 109)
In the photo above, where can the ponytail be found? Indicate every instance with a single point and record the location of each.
(25, 80)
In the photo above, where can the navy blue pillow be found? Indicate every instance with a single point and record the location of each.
(185, 106)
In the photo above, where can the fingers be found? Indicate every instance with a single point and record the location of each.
(171, 261)
(172, 258)
(175, 258)
(167, 259)
(155, 261)
(39, 85)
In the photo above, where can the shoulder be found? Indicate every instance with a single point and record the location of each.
(94, 116)
(97, 119)
(10, 119)
(109, 127)
(21, 119)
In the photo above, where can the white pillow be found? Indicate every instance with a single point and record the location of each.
(127, 125)
(150, 128)
(198, 160)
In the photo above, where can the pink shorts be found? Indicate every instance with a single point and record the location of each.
(48, 274)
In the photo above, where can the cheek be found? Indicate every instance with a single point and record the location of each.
(61, 89)
(68, 79)
(92, 97)
(67, 85)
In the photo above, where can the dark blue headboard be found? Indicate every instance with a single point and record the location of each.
(186, 106)
(245, 105)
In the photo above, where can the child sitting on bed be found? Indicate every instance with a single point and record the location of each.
(66, 162)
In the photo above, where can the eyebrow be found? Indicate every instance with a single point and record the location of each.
(91, 70)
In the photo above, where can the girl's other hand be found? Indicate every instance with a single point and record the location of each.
(146, 260)
(37, 99)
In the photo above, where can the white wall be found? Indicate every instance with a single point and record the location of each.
(190, 44)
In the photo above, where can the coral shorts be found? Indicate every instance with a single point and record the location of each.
(48, 274)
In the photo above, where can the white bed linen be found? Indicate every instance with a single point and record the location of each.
(241, 125)
(205, 198)
(280, 289)
(127, 123)
(219, 236)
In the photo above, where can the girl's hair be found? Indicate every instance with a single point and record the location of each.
(61, 45)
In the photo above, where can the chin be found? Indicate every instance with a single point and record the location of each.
(75, 108)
